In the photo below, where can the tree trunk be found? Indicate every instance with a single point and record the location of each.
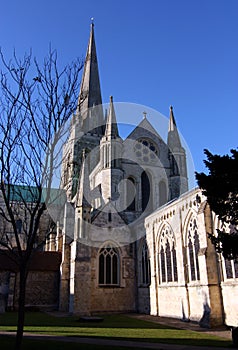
(21, 307)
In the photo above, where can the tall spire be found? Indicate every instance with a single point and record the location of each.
(111, 131)
(173, 135)
(90, 91)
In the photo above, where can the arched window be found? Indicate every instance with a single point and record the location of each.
(109, 263)
(193, 247)
(162, 193)
(146, 191)
(145, 265)
(167, 257)
(130, 194)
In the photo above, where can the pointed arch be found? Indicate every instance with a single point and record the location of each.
(144, 264)
(146, 191)
(108, 265)
(192, 246)
(167, 259)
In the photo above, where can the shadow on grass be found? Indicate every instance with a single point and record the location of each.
(118, 327)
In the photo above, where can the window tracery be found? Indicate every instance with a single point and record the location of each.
(167, 257)
(146, 150)
(193, 247)
(145, 265)
(109, 263)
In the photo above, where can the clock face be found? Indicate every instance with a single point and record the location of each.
(146, 150)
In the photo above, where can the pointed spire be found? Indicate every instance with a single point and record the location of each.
(83, 198)
(90, 91)
(173, 135)
(172, 123)
(111, 131)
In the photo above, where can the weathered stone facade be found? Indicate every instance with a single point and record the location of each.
(42, 288)
(201, 283)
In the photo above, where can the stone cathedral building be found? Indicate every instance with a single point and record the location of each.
(132, 237)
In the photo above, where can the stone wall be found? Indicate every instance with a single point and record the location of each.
(230, 302)
(114, 299)
(206, 292)
(42, 290)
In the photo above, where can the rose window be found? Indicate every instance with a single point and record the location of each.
(146, 150)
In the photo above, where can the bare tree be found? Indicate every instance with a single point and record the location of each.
(35, 103)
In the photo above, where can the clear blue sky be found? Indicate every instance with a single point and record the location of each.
(156, 53)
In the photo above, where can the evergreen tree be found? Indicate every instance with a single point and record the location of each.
(220, 187)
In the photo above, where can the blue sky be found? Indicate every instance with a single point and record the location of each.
(156, 53)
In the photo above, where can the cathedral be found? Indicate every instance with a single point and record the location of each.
(112, 185)
(132, 237)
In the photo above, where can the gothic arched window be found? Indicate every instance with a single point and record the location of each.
(146, 190)
(193, 247)
(145, 265)
(167, 257)
(109, 263)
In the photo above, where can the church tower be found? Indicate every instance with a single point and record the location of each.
(177, 158)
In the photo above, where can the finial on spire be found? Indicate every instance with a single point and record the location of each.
(111, 98)
(92, 21)
(145, 115)
(171, 108)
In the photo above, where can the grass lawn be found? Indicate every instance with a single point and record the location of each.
(113, 326)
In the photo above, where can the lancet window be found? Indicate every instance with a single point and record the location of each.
(193, 247)
(145, 265)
